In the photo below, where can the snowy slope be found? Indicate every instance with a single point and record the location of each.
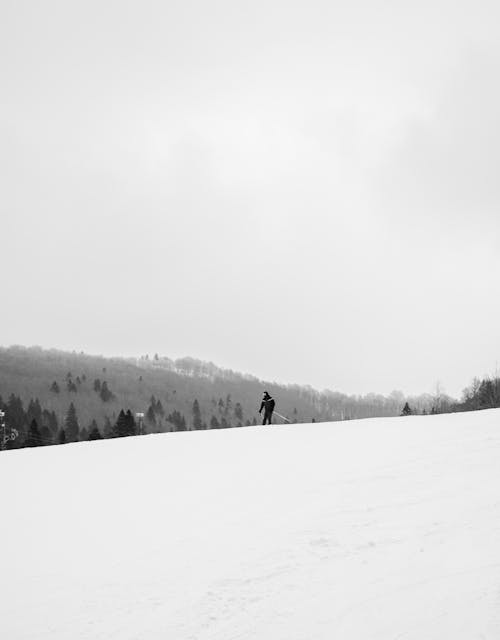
(376, 529)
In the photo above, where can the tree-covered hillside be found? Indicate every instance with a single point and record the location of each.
(173, 395)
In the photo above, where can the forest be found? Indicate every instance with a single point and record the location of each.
(55, 397)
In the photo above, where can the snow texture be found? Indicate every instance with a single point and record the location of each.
(382, 529)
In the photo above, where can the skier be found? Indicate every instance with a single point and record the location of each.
(268, 406)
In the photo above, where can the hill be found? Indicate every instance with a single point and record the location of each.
(226, 398)
(384, 528)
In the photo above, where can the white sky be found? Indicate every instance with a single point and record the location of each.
(308, 191)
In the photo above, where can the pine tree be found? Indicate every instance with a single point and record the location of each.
(238, 411)
(120, 428)
(95, 434)
(196, 415)
(108, 428)
(47, 437)
(131, 425)
(34, 412)
(160, 411)
(214, 423)
(151, 416)
(54, 387)
(406, 410)
(125, 425)
(105, 394)
(71, 426)
(34, 438)
(97, 385)
(177, 420)
(54, 422)
(61, 437)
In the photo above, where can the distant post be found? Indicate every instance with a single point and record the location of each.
(140, 421)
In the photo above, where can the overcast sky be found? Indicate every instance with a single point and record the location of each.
(308, 191)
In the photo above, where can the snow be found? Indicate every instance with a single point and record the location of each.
(379, 529)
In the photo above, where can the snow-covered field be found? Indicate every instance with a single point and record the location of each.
(378, 529)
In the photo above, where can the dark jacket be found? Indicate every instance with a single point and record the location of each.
(267, 405)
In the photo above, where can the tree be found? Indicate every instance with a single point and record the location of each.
(34, 437)
(71, 426)
(131, 429)
(108, 428)
(151, 416)
(406, 410)
(177, 420)
(97, 385)
(214, 423)
(71, 386)
(61, 437)
(120, 426)
(196, 415)
(159, 409)
(16, 419)
(49, 420)
(125, 425)
(95, 434)
(105, 394)
(54, 387)
(47, 437)
(238, 411)
(34, 412)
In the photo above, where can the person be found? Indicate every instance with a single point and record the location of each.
(268, 406)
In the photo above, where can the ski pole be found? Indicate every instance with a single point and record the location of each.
(282, 417)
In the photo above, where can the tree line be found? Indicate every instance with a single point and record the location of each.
(36, 426)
